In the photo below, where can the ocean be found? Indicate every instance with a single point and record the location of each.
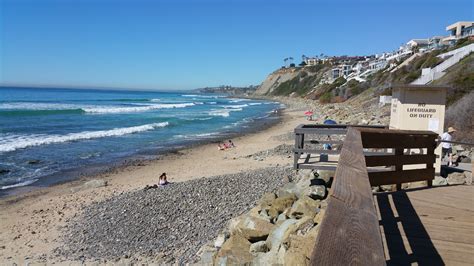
(46, 134)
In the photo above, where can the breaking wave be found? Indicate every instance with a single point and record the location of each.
(15, 142)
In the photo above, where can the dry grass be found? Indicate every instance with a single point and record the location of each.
(460, 115)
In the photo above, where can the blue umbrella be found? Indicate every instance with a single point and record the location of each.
(329, 122)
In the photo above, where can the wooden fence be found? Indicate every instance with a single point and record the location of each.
(349, 233)
(306, 135)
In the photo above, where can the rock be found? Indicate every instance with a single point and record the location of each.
(33, 161)
(267, 199)
(235, 251)
(300, 247)
(305, 206)
(326, 175)
(280, 204)
(206, 254)
(388, 187)
(315, 192)
(281, 218)
(456, 178)
(221, 238)
(468, 177)
(439, 181)
(319, 217)
(260, 246)
(254, 229)
(465, 159)
(276, 236)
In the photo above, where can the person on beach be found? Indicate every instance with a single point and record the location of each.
(163, 180)
(221, 146)
(446, 146)
(231, 144)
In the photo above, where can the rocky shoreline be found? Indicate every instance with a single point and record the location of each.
(167, 224)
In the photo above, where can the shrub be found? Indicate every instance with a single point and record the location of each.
(325, 98)
(459, 115)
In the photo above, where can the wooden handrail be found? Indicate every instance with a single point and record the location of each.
(349, 233)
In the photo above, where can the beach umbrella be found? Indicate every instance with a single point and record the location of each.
(329, 122)
(308, 113)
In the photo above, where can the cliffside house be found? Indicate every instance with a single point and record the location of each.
(459, 30)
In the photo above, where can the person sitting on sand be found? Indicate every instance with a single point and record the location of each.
(230, 144)
(163, 180)
(221, 146)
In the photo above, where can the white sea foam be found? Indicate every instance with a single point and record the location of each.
(112, 109)
(254, 103)
(21, 184)
(98, 109)
(15, 142)
(235, 106)
(224, 112)
(201, 96)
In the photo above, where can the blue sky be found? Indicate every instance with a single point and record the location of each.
(177, 44)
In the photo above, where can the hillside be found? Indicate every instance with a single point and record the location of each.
(342, 99)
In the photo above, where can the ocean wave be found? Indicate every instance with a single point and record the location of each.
(102, 109)
(235, 106)
(254, 103)
(20, 184)
(201, 96)
(15, 142)
(132, 109)
(224, 112)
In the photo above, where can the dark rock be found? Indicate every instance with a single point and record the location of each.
(34, 161)
(4, 171)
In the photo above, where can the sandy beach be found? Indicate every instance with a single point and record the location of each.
(30, 223)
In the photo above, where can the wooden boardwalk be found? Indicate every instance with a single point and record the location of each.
(432, 226)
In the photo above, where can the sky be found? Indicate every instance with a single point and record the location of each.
(178, 44)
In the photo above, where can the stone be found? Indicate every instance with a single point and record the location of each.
(326, 175)
(260, 246)
(319, 217)
(456, 178)
(221, 238)
(267, 199)
(206, 254)
(300, 247)
(254, 229)
(280, 204)
(315, 192)
(439, 181)
(305, 206)
(468, 177)
(465, 160)
(276, 236)
(236, 250)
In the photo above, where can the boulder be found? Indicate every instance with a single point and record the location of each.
(468, 177)
(276, 236)
(465, 159)
(456, 178)
(267, 199)
(305, 206)
(439, 181)
(234, 251)
(221, 238)
(206, 254)
(319, 217)
(280, 204)
(4, 171)
(260, 246)
(315, 192)
(326, 175)
(254, 229)
(300, 247)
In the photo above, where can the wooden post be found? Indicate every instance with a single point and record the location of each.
(297, 154)
(430, 150)
(399, 166)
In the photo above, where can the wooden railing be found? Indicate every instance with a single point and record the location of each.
(412, 149)
(307, 135)
(349, 233)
